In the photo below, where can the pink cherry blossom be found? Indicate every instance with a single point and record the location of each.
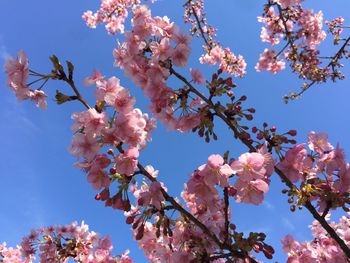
(91, 80)
(84, 145)
(318, 142)
(268, 61)
(295, 163)
(126, 163)
(197, 76)
(151, 195)
(90, 121)
(107, 90)
(250, 166)
(251, 192)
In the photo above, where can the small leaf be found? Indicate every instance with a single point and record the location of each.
(70, 69)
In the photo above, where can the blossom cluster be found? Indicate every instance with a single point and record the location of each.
(112, 13)
(153, 46)
(228, 62)
(253, 171)
(166, 240)
(94, 131)
(303, 31)
(17, 71)
(214, 52)
(62, 243)
(322, 248)
(323, 173)
(336, 28)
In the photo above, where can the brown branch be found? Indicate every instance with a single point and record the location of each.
(283, 177)
(76, 91)
(188, 215)
(328, 228)
(333, 59)
(227, 222)
(200, 26)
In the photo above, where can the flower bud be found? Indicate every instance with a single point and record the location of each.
(292, 132)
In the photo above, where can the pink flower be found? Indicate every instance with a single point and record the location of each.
(39, 97)
(98, 178)
(17, 71)
(161, 51)
(84, 145)
(311, 28)
(215, 171)
(17, 75)
(188, 122)
(229, 62)
(332, 161)
(126, 163)
(180, 55)
(90, 121)
(197, 76)
(124, 102)
(318, 142)
(269, 62)
(249, 166)
(107, 90)
(124, 258)
(286, 3)
(91, 80)
(151, 196)
(343, 183)
(295, 163)
(251, 192)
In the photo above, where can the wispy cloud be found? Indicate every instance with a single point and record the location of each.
(16, 117)
(288, 224)
(4, 54)
(268, 205)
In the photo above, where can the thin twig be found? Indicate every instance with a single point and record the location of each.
(284, 178)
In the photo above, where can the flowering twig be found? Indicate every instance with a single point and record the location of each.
(283, 177)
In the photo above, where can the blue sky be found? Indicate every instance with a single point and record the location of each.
(39, 185)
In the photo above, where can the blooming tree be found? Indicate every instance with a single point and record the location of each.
(110, 133)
